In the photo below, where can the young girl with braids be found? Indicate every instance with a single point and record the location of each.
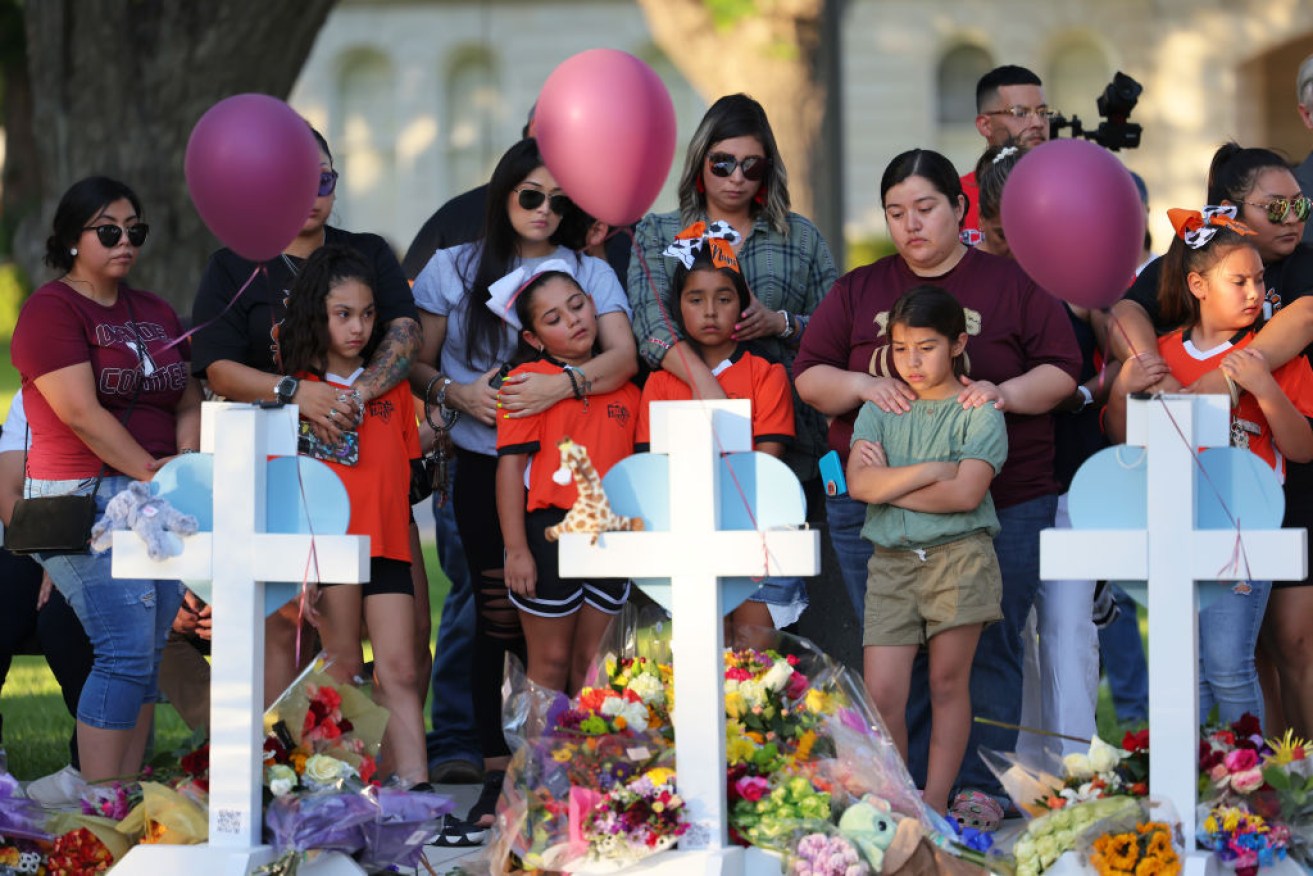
(1212, 286)
(330, 332)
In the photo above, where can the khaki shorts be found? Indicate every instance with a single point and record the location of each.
(911, 596)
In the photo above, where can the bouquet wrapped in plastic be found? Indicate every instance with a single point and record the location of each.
(404, 822)
(1041, 783)
(20, 818)
(319, 731)
(167, 816)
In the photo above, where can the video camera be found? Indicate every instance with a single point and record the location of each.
(1117, 131)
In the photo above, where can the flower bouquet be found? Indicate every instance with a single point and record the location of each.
(20, 818)
(1038, 785)
(1242, 840)
(320, 732)
(1049, 836)
(1145, 850)
(323, 822)
(166, 816)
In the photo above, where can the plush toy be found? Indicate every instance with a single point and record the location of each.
(870, 825)
(591, 511)
(156, 521)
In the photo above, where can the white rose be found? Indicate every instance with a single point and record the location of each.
(1103, 757)
(648, 689)
(280, 778)
(1077, 766)
(752, 692)
(778, 676)
(324, 770)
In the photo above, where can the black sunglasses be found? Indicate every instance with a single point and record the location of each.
(110, 235)
(327, 183)
(532, 199)
(754, 167)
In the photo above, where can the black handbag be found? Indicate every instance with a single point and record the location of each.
(52, 525)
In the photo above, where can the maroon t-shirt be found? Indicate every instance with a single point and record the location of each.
(58, 328)
(1012, 326)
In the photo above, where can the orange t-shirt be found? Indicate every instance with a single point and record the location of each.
(605, 426)
(765, 384)
(379, 482)
(1249, 427)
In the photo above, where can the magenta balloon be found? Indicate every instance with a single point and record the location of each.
(253, 172)
(606, 127)
(1074, 221)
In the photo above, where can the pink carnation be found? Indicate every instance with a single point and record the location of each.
(1241, 759)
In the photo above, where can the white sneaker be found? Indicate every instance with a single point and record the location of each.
(60, 789)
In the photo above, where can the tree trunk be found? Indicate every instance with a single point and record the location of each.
(20, 189)
(118, 85)
(771, 53)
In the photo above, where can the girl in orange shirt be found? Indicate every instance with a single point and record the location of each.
(329, 334)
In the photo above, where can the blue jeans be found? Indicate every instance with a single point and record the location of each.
(1123, 661)
(996, 670)
(454, 735)
(845, 517)
(1228, 632)
(126, 619)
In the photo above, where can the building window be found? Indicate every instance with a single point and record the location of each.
(1079, 70)
(475, 112)
(955, 83)
(364, 140)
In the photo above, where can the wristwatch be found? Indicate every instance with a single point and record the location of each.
(1086, 398)
(285, 388)
(788, 325)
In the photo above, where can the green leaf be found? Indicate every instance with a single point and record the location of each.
(1276, 777)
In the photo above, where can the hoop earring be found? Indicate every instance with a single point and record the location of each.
(73, 251)
(700, 185)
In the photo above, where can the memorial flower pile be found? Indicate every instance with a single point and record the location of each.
(1102, 771)
(1050, 836)
(802, 742)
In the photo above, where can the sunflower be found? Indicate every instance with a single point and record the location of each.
(1160, 845)
(1119, 851)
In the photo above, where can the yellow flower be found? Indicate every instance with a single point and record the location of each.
(815, 701)
(1288, 749)
(660, 775)
(562, 755)
(735, 705)
(805, 744)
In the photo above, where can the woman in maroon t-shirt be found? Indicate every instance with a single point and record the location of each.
(105, 394)
(1021, 355)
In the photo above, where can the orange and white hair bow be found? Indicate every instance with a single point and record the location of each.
(720, 238)
(1197, 228)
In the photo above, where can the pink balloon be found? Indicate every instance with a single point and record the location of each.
(253, 172)
(606, 127)
(1074, 221)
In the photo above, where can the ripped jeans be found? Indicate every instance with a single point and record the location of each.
(127, 620)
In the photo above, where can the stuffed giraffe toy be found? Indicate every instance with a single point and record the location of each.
(591, 511)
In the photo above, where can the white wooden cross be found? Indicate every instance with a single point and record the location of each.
(1172, 555)
(693, 554)
(238, 556)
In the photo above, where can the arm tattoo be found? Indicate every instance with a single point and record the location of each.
(391, 361)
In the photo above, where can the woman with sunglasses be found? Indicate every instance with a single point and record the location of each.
(109, 399)
(236, 350)
(1261, 184)
(733, 172)
(458, 374)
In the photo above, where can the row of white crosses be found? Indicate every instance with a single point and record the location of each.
(1172, 555)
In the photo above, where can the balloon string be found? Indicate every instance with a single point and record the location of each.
(311, 562)
(679, 350)
(1239, 555)
(259, 269)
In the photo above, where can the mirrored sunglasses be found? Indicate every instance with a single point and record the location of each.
(110, 235)
(754, 167)
(1278, 208)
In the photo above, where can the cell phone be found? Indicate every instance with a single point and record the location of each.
(832, 474)
(500, 377)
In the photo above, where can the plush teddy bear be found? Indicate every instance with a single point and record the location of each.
(156, 521)
(870, 825)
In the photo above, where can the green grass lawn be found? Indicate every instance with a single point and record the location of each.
(37, 726)
(9, 380)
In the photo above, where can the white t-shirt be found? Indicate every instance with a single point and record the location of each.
(15, 426)
(440, 289)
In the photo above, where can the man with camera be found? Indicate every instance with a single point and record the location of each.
(1304, 171)
(1010, 108)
